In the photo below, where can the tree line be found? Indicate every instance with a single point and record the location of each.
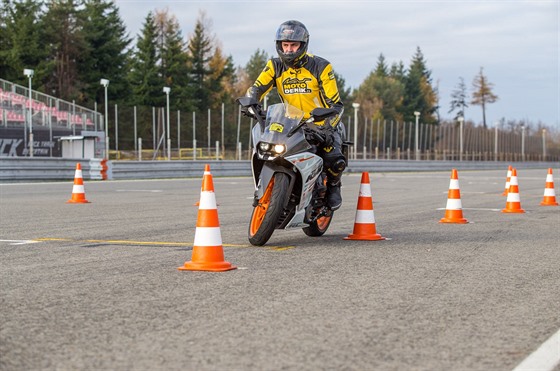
(72, 44)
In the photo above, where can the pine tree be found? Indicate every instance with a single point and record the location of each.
(459, 99)
(144, 74)
(66, 44)
(482, 93)
(419, 93)
(398, 72)
(221, 78)
(345, 93)
(5, 8)
(200, 50)
(107, 51)
(381, 68)
(21, 41)
(251, 72)
(255, 65)
(174, 62)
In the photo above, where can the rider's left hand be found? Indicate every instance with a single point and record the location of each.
(328, 135)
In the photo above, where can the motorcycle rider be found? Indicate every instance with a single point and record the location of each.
(307, 81)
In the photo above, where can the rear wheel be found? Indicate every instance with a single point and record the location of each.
(319, 226)
(269, 209)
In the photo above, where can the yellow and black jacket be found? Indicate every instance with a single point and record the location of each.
(308, 87)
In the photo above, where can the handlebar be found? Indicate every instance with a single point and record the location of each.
(254, 108)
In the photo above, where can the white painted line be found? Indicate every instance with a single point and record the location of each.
(19, 242)
(139, 190)
(472, 208)
(545, 358)
(464, 193)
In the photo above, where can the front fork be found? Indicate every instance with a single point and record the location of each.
(263, 174)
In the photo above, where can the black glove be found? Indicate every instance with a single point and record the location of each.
(323, 136)
(327, 133)
(245, 111)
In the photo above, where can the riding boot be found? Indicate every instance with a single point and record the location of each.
(333, 194)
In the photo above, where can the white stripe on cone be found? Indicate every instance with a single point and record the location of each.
(365, 190)
(454, 184)
(513, 197)
(549, 192)
(364, 217)
(77, 188)
(454, 204)
(207, 200)
(207, 236)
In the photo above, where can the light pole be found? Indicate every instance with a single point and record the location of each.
(356, 108)
(496, 141)
(461, 119)
(29, 73)
(544, 144)
(167, 90)
(417, 153)
(522, 142)
(105, 84)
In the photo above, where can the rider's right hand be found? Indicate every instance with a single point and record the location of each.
(246, 112)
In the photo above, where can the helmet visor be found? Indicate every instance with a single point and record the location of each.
(291, 33)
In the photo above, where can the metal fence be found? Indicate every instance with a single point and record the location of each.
(452, 141)
(46, 110)
(151, 133)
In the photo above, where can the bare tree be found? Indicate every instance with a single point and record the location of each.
(482, 93)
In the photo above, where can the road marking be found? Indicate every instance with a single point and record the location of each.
(472, 208)
(151, 243)
(20, 242)
(140, 190)
(472, 193)
(118, 242)
(545, 358)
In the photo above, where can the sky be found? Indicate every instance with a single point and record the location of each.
(516, 42)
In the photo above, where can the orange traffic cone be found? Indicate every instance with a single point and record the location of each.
(454, 208)
(208, 253)
(364, 223)
(513, 203)
(549, 198)
(78, 191)
(508, 178)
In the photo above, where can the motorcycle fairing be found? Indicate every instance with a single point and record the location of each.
(309, 168)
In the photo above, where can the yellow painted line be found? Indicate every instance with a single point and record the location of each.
(52, 239)
(157, 243)
(124, 242)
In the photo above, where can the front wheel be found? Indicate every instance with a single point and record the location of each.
(268, 210)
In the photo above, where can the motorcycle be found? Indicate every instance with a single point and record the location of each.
(289, 179)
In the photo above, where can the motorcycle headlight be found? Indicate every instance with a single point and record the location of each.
(270, 150)
(279, 148)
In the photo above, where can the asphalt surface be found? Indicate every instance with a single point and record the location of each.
(96, 287)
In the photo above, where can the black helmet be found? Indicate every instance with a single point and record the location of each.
(292, 31)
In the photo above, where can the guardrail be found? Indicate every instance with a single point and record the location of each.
(16, 169)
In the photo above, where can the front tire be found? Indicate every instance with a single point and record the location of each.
(268, 210)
